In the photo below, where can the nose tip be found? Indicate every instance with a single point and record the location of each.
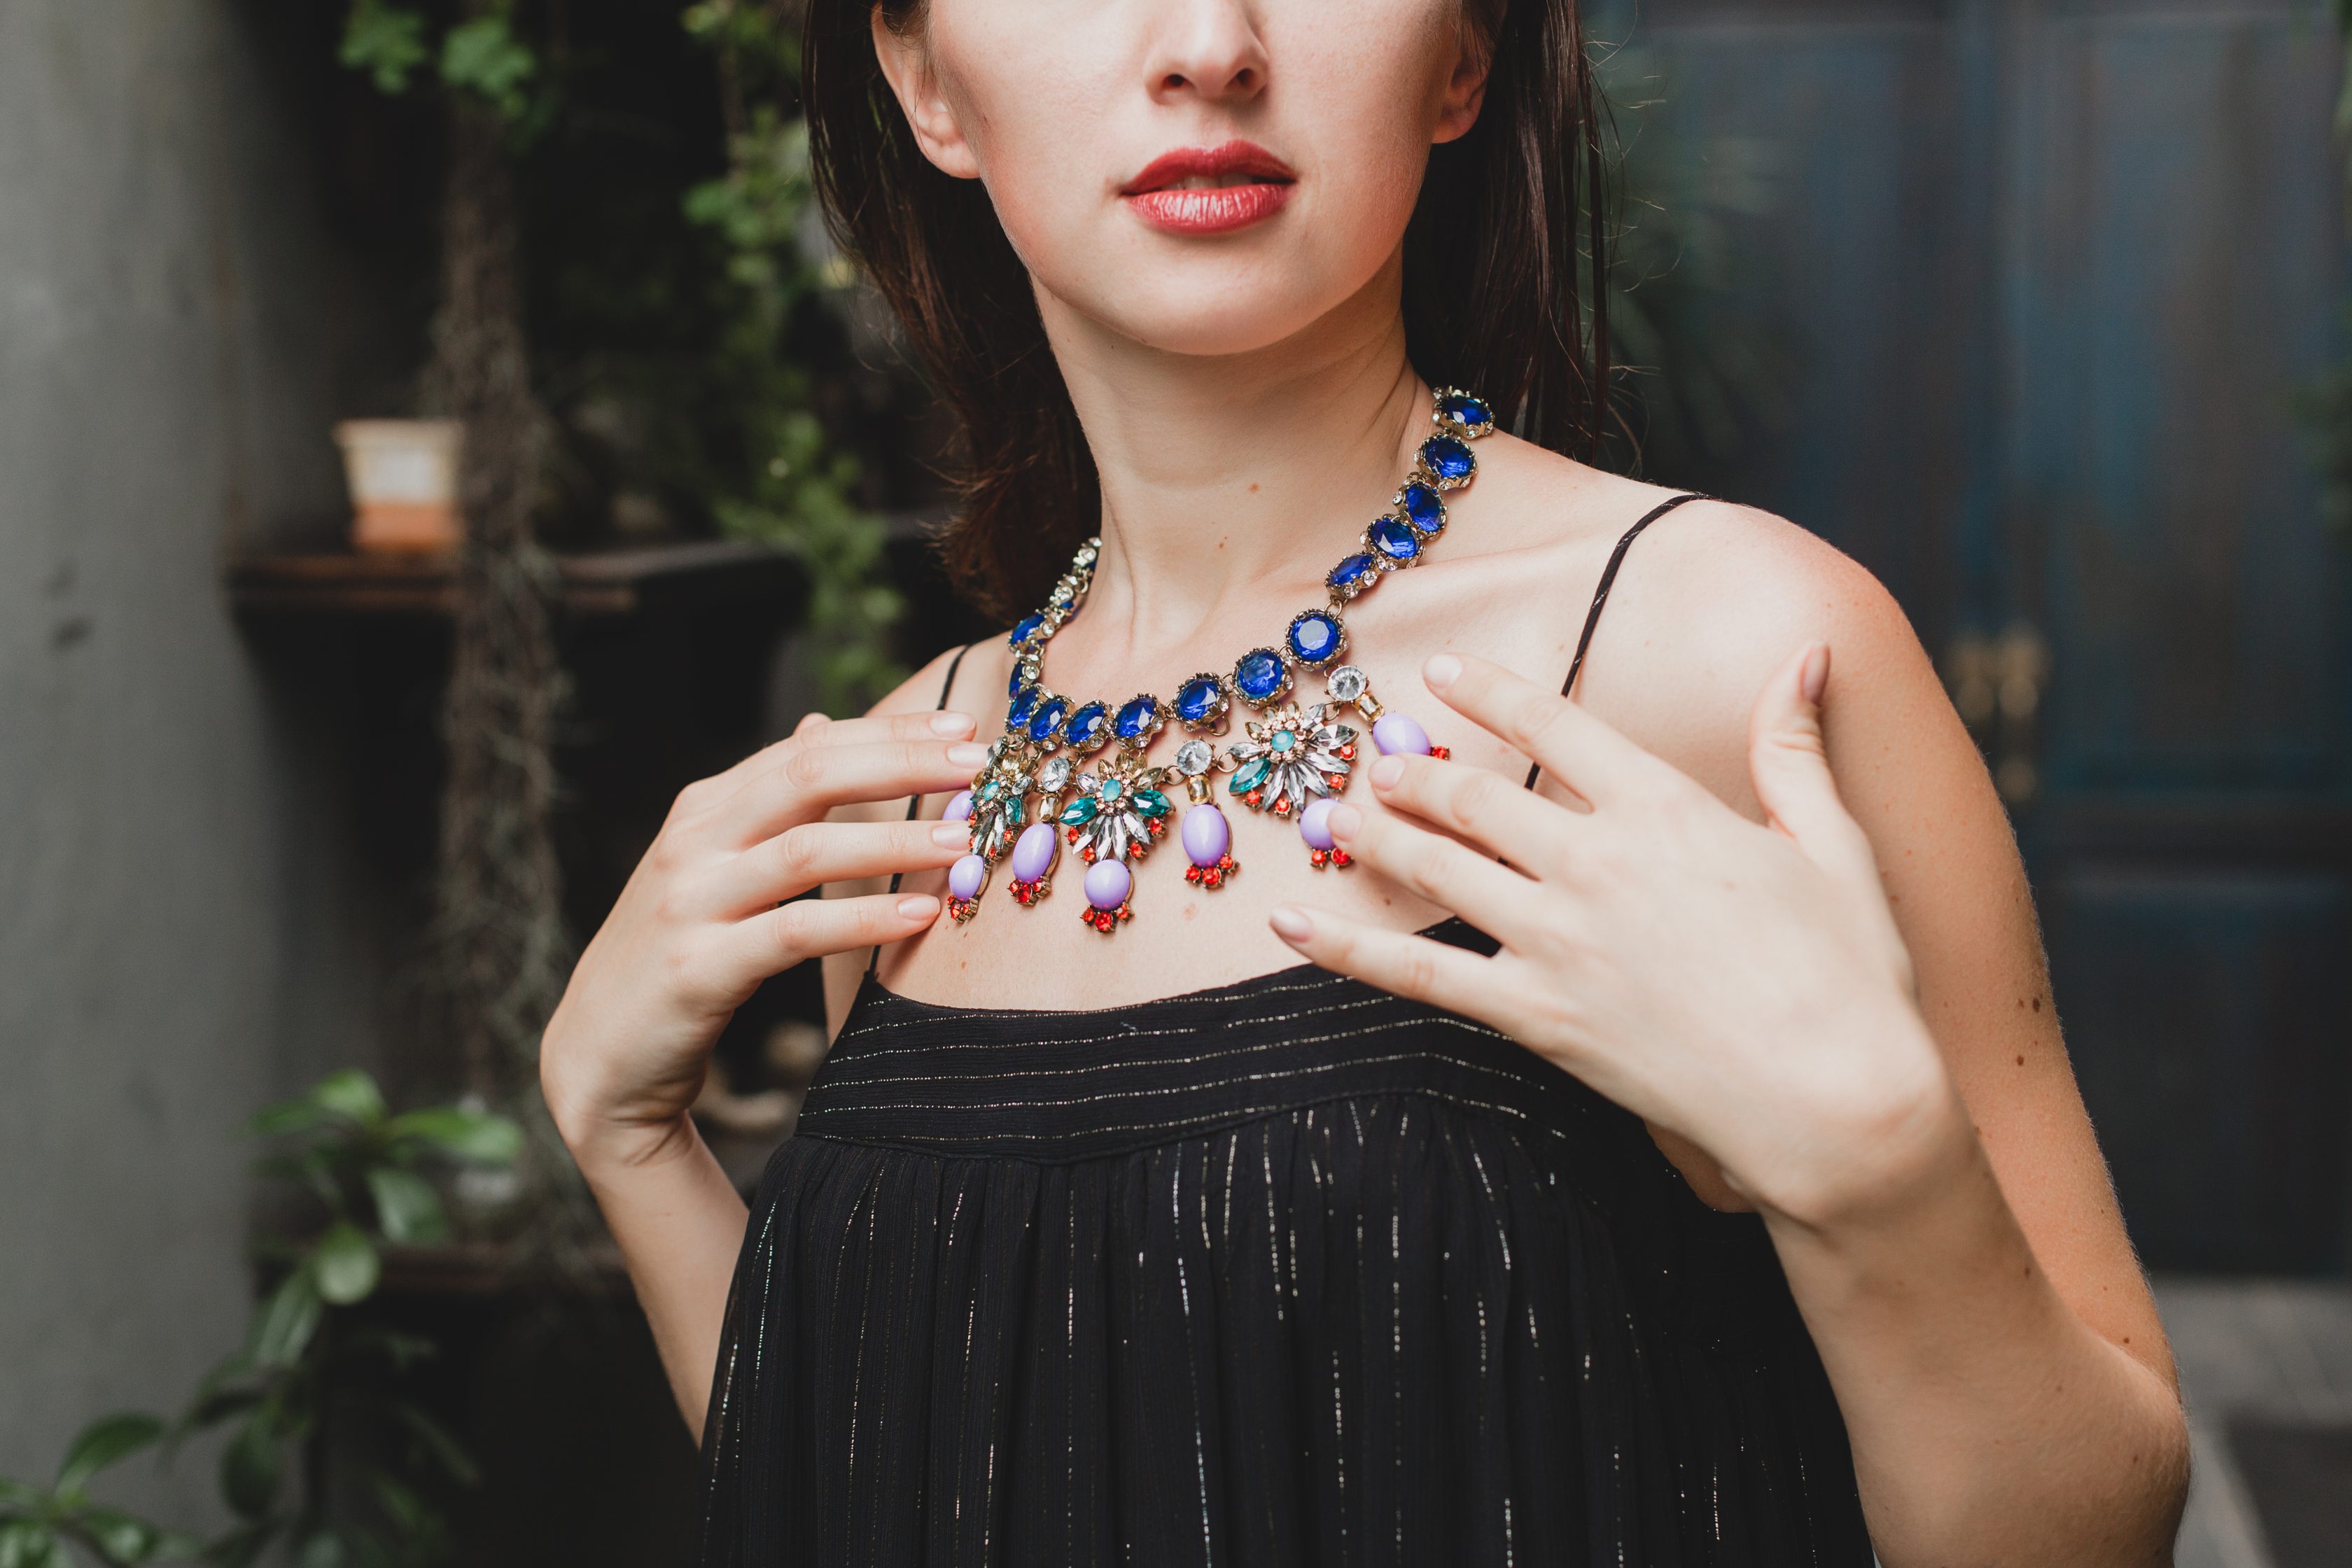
(1211, 49)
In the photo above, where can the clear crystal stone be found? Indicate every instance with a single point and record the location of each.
(1063, 592)
(1192, 758)
(1347, 683)
(1054, 774)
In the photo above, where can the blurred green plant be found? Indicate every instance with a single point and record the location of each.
(483, 55)
(796, 489)
(308, 1358)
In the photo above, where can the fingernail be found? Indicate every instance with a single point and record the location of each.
(950, 723)
(1816, 677)
(1290, 923)
(1343, 822)
(1387, 772)
(951, 835)
(970, 754)
(1442, 672)
(918, 906)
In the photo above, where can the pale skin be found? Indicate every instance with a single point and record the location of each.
(1766, 897)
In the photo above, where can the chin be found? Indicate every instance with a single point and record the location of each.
(1213, 306)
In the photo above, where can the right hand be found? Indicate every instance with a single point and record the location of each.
(703, 919)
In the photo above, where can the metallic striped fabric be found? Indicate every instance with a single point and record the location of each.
(1289, 1271)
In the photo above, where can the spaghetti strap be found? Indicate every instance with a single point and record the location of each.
(1601, 598)
(915, 802)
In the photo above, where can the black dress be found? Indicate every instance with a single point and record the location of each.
(1286, 1271)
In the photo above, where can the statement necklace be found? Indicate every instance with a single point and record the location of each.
(1292, 762)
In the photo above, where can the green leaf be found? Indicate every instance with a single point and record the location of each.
(284, 1327)
(17, 1496)
(479, 1136)
(352, 1095)
(106, 1441)
(483, 56)
(29, 1543)
(345, 1264)
(407, 1209)
(324, 1549)
(253, 1467)
(119, 1537)
(385, 41)
(289, 1116)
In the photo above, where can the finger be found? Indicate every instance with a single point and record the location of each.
(774, 940)
(1470, 802)
(1403, 962)
(812, 780)
(815, 853)
(1492, 897)
(1576, 748)
(1790, 762)
(818, 730)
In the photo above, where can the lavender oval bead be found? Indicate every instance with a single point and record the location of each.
(1206, 833)
(1315, 823)
(967, 877)
(1107, 884)
(960, 808)
(1396, 733)
(1034, 851)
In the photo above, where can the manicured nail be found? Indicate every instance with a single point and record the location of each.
(1387, 772)
(970, 754)
(1442, 672)
(1816, 676)
(918, 906)
(1290, 923)
(951, 835)
(1344, 821)
(950, 723)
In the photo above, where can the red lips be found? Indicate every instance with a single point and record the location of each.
(1217, 209)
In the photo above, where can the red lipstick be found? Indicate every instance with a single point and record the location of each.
(1210, 190)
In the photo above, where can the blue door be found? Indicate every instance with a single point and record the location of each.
(2049, 273)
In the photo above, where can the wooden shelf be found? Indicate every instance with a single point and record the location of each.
(650, 580)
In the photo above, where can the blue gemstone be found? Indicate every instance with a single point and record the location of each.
(1424, 507)
(1356, 572)
(1026, 628)
(1313, 638)
(1196, 700)
(1046, 722)
(1134, 720)
(1020, 678)
(1394, 540)
(1448, 457)
(1260, 675)
(1087, 724)
(1017, 717)
(1471, 413)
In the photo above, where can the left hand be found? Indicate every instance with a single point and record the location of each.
(1741, 985)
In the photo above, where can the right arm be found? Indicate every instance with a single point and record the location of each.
(711, 911)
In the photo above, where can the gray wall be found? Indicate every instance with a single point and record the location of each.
(177, 935)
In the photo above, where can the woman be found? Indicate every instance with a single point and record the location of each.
(1673, 1162)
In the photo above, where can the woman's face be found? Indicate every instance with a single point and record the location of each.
(1203, 177)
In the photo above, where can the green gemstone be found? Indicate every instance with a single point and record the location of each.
(1079, 812)
(1150, 802)
(1250, 774)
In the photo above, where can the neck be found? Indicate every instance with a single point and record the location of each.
(1224, 474)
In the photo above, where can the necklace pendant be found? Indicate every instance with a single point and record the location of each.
(1207, 837)
(1116, 814)
(1292, 758)
(967, 879)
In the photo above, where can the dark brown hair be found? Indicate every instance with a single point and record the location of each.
(1498, 295)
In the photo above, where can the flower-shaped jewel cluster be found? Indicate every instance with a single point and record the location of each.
(1292, 756)
(1118, 811)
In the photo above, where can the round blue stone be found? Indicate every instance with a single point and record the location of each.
(1017, 716)
(1026, 628)
(1196, 700)
(1046, 722)
(1471, 413)
(1260, 675)
(1424, 507)
(1134, 720)
(1354, 572)
(1313, 638)
(1448, 457)
(1087, 724)
(1394, 540)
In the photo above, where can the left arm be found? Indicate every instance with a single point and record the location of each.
(1750, 990)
